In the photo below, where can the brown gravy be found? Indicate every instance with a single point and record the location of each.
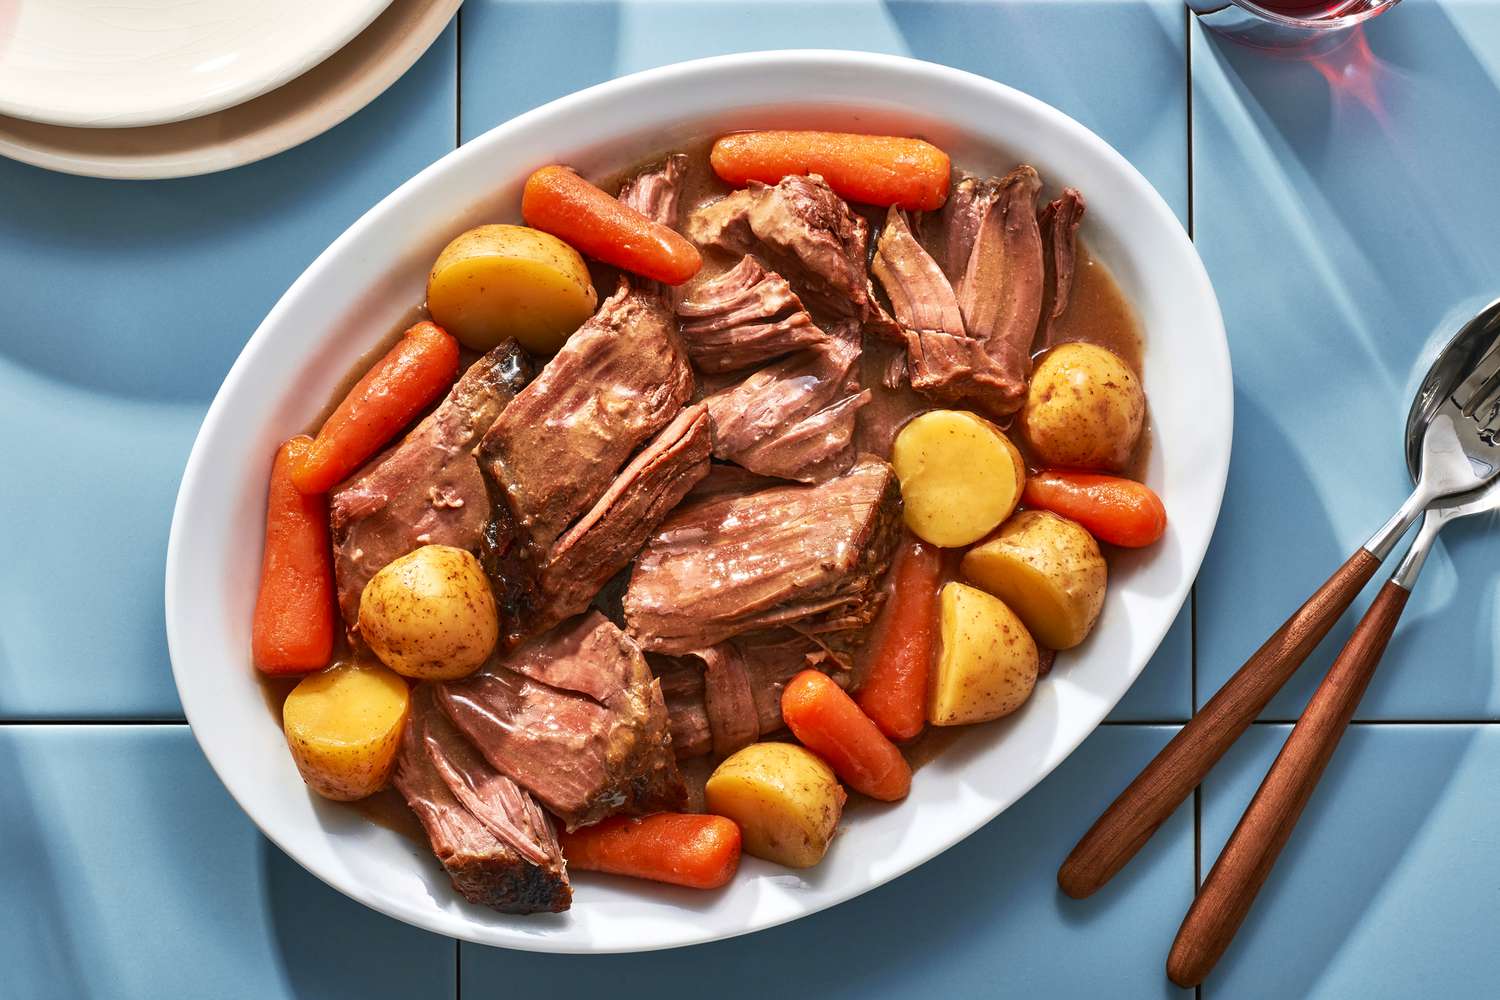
(1098, 313)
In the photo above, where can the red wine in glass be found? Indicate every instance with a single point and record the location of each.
(1314, 8)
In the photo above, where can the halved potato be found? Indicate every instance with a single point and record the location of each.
(344, 725)
(786, 801)
(960, 476)
(495, 282)
(988, 663)
(1049, 570)
(430, 614)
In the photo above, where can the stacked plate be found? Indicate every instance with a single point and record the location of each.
(171, 88)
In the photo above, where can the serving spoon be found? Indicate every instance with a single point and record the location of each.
(1246, 861)
(1451, 448)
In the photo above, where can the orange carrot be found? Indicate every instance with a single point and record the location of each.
(875, 169)
(830, 724)
(557, 201)
(1118, 511)
(700, 852)
(292, 630)
(901, 651)
(419, 369)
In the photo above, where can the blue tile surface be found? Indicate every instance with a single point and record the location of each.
(1346, 211)
(138, 877)
(1116, 67)
(984, 919)
(126, 303)
(1388, 885)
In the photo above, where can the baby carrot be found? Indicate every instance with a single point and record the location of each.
(700, 852)
(419, 369)
(292, 630)
(895, 691)
(557, 201)
(830, 724)
(1115, 510)
(875, 169)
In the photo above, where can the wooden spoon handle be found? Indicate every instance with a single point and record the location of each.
(1263, 830)
(1159, 789)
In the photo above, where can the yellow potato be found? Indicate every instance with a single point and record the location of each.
(987, 666)
(495, 282)
(430, 614)
(786, 801)
(960, 476)
(344, 726)
(1048, 569)
(1084, 409)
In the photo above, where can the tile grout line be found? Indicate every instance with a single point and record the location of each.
(1187, 47)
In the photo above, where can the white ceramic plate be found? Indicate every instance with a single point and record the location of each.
(370, 277)
(105, 65)
(289, 115)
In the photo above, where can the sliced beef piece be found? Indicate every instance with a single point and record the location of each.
(744, 316)
(617, 381)
(795, 419)
(428, 487)
(607, 537)
(495, 842)
(792, 555)
(969, 309)
(1059, 224)
(576, 718)
(942, 360)
(727, 696)
(802, 230)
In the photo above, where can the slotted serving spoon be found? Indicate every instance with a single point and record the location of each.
(1451, 448)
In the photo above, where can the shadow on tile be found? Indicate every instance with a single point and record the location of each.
(1357, 829)
(326, 942)
(985, 912)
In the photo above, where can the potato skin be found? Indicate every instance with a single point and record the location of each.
(988, 664)
(499, 281)
(785, 799)
(1049, 570)
(1084, 409)
(960, 476)
(430, 614)
(343, 726)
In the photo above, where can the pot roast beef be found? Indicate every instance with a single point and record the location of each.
(727, 696)
(576, 718)
(989, 252)
(428, 487)
(1059, 224)
(617, 381)
(603, 541)
(728, 562)
(495, 842)
(795, 418)
(800, 228)
(745, 316)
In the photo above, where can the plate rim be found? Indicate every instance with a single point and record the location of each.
(1193, 554)
(197, 103)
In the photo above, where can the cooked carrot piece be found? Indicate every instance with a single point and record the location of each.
(875, 169)
(828, 722)
(901, 651)
(419, 369)
(1115, 510)
(292, 630)
(558, 201)
(700, 852)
